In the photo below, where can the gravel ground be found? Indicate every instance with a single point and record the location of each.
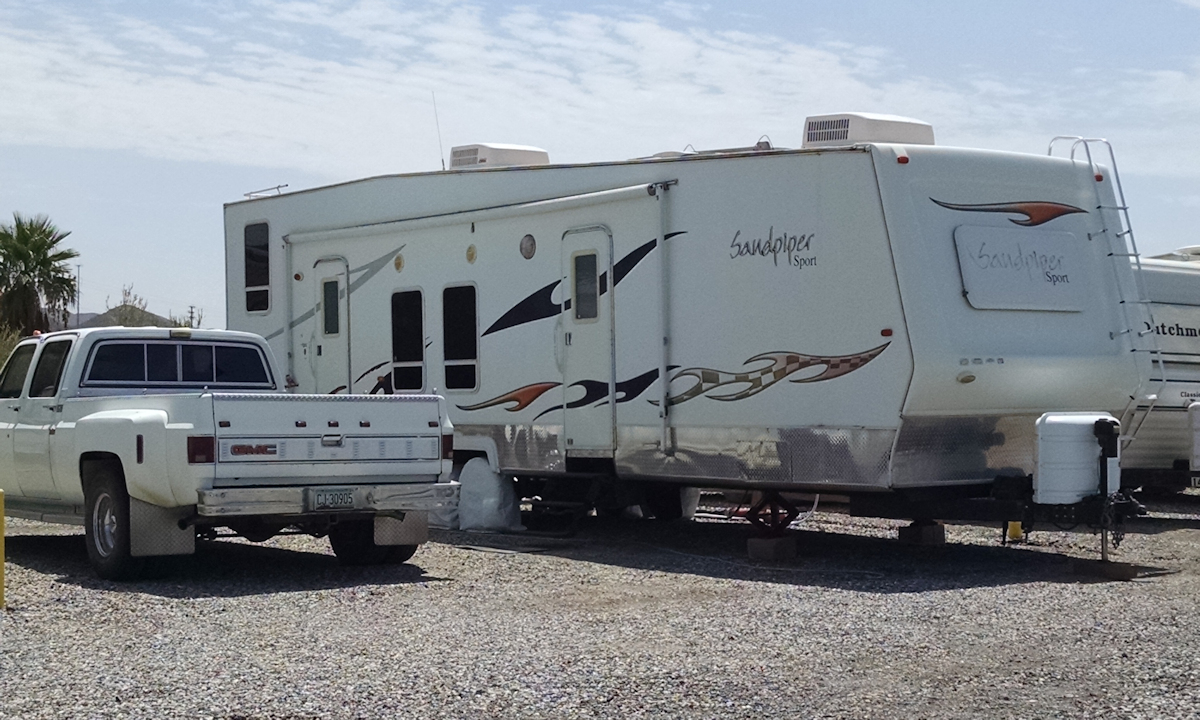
(626, 619)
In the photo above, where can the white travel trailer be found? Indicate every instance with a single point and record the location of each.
(872, 315)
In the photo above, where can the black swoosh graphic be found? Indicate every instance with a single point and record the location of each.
(540, 305)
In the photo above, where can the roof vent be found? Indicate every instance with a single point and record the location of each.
(1183, 254)
(496, 155)
(851, 128)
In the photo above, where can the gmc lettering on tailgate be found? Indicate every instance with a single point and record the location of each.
(253, 450)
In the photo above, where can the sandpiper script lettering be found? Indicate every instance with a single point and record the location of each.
(1049, 267)
(792, 250)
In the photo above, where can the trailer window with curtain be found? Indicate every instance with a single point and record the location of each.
(408, 341)
(460, 334)
(258, 268)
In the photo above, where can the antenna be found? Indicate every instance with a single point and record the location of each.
(438, 125)
(278, 190)
(78, 291)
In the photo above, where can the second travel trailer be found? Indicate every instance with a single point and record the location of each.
(872, 315)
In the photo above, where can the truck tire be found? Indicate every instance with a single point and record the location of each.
(353, 542)
(106, 528)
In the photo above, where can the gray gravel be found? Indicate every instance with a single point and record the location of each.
(627, 619)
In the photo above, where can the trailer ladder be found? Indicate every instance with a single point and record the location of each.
(1117, 229)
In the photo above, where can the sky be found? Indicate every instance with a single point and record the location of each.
(131, 123)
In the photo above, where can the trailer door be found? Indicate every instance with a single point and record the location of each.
(587, 342)
(330, 345)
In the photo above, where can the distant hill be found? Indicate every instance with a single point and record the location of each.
(127, 315)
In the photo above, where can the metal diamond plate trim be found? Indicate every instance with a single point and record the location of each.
(932, 452)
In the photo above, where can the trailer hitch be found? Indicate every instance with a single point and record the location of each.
(1117, 506)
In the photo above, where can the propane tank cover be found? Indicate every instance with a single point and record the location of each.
(1069, 456)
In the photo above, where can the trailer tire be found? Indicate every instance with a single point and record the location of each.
(353, 543)
(106, 527)
(663, 500)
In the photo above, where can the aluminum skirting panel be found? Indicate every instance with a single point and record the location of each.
(819, 457)
(929, 452)
(938, 451)
(521, 448)
(1162, 439)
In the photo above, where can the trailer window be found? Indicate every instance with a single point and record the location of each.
(258, 268)
(460, 334)
(408, 341)
(329, 307)
(15, 371)
(49, 369)
(587, 288)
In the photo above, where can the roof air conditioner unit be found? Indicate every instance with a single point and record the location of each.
(496, 155)
(843, 129)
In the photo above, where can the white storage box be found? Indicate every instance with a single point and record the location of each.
(1068, 458)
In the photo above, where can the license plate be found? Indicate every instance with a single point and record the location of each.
(332, 498)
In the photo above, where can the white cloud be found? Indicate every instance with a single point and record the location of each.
(343, 88)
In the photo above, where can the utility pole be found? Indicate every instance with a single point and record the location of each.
(78, 291)
(191, 316)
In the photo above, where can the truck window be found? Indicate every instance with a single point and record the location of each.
(408, 341)
(162, 362)
(197, 363)
(258, 267)
(15, 371)
(240, 365)
(48, 372)
(118, 362)
(460, 335)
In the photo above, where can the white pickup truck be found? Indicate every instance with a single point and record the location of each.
(149, 436)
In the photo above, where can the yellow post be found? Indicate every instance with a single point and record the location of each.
(1015, 531)
(1, 549)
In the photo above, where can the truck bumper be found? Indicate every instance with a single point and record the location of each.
(230, 502)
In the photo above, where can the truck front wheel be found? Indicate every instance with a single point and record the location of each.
(107, 528)
(353, 542)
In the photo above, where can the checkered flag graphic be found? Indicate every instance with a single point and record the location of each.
(779, 365)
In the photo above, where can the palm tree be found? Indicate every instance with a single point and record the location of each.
(35, 283)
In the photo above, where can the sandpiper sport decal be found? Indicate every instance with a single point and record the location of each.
(779, 366)
(796, 250)
(1036, 212)
(541, 303)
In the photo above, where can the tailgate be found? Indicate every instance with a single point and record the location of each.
(321, 439)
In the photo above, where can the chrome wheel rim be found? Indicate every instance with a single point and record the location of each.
(104, 525)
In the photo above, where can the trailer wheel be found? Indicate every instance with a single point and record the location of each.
(106, 529)
(663, 500)
(353, 542)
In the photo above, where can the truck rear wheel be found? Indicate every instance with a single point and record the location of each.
(107, 528)
(354, 544)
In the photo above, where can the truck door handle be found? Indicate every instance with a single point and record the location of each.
(567, 339)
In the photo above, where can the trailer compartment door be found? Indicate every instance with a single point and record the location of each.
(586, 341)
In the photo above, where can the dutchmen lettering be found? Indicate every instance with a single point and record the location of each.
(1175, 330)
(793, 248)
